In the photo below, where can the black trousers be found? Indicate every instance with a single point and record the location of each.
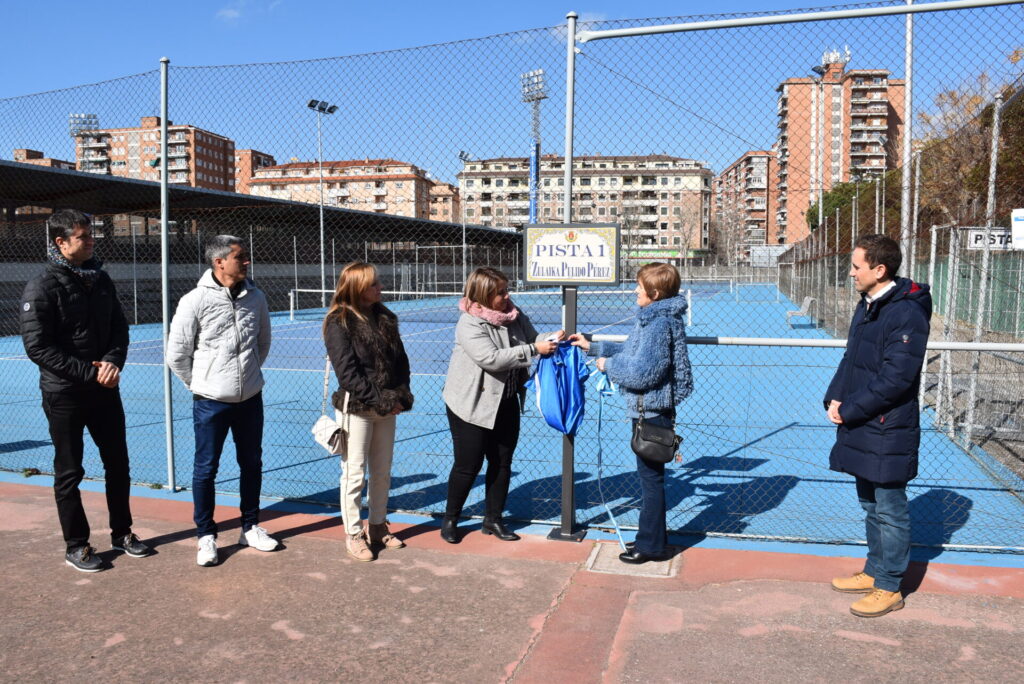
(69, 414)
(472, 445)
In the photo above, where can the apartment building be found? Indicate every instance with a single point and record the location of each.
(838, 126)
(195, 156)
(247, 163)
(663, 203)
(742, 210)
(444, 202)
(383, 186)
(35, 157)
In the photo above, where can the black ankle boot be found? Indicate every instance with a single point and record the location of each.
(498, 529)
(449, 532)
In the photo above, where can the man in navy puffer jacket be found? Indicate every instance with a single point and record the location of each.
(873, 401)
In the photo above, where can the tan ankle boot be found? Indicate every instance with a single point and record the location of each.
(861, 583)
(357, 548)
(380, 534)
(877, 603)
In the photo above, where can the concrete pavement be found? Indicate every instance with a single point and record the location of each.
(481, 611)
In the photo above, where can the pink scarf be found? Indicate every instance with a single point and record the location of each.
(496, 318)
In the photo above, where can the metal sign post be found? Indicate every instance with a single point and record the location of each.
(567, 531)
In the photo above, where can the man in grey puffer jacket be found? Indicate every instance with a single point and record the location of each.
(219, 339)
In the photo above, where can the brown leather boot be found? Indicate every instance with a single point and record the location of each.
(861, 583)
(356, 546)
(877, 603)
(380, 534)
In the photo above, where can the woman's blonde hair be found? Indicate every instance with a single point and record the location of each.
(355, 279)
(659, 280)
(483, 284)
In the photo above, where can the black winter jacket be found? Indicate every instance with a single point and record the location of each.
(877, 382)
(65, 327)
(369, 361)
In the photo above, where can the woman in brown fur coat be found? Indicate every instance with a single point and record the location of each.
(372, 368)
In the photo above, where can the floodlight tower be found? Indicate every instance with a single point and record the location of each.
(819, 137)
(321, 108)
(82, 123)
(463, 157)
(534, 91)
(79, 123)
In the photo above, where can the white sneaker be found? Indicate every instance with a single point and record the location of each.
(258, 539)
(207, 554)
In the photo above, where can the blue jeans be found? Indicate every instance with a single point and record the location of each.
(887, 525)
(651, 534)
(212, 419)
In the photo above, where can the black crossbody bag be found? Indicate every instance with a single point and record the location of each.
(654, 443)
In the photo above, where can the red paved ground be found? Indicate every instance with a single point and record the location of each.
(483, 610)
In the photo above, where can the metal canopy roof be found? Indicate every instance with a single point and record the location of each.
(40, 186)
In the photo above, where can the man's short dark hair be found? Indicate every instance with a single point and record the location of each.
(220, 246)
(63, 223)
(881, 250)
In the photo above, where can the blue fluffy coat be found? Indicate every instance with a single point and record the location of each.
(654, 362)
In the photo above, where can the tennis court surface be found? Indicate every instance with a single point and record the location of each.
(755, 448)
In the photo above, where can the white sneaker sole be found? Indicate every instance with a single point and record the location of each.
(70, 564)
(129, 553)
(243, 542)
(206, 564)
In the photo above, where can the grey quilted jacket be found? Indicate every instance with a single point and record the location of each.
(218, 344)
(482, 361)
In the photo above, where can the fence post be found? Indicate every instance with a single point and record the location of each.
(835, 326)
(917, 199)
(570, 99)
(952, 294)
(566, 530)
(1017, 332)
(165, 284)
(986, 255)
(924, 370)
(135, 279)
(906, 245)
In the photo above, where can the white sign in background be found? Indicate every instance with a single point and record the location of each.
(998, 239)
(1017, 228)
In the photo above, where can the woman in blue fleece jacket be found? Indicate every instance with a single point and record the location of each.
(652, 365)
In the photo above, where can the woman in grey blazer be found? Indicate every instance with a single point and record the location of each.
(483, 393)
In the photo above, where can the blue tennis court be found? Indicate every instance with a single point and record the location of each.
(756, 437)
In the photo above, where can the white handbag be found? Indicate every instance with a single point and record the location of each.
(326, 430)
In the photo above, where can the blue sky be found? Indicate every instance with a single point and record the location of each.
(705, 95)
(50, 44)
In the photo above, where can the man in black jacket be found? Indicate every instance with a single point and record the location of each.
(74, 329)
(873, 401)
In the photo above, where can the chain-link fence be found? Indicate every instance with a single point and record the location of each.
(750, 157)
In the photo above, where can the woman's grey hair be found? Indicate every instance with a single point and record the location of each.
(220, 246)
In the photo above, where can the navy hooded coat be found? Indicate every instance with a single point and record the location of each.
(877, 382)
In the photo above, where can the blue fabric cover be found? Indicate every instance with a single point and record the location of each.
(558, 381)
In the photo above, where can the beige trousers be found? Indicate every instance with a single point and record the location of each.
(370, 447)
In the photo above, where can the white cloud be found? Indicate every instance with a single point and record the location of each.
(229, 14)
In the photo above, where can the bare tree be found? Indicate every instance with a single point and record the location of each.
(955, 146)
